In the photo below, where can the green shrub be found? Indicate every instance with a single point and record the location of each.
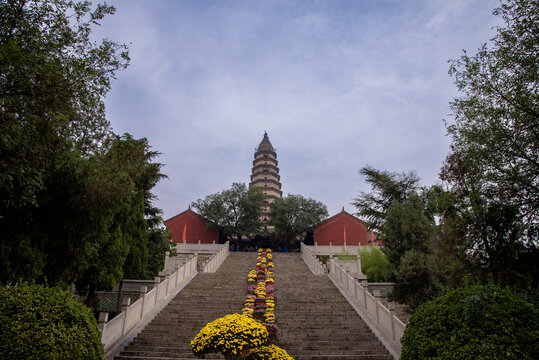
(38, 322)
(374, 264)
(415, 280)
(479, 322)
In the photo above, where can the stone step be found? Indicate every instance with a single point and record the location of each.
(315, 321)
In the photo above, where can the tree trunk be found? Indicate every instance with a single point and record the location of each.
(119, 299)
(90, 299)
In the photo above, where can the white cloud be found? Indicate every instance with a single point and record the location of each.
(337, 85)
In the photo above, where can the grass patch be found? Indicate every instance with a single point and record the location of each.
(346, 257)
(323, 258)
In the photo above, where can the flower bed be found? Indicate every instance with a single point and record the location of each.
(259, 303)
(251, 335)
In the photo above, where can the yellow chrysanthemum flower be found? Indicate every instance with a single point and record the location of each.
(229, 335)
(269, 352)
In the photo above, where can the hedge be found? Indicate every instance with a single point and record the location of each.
(478, 322)
(39, 322)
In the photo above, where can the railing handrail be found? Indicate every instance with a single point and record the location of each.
(115, 331)
(312, 261)
(383, 321)
(217, 259)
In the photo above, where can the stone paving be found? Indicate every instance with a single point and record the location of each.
(315, 320)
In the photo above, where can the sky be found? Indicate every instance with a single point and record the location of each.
(338, 85)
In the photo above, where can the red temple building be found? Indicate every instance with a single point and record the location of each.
(189, 227)
(344, 228)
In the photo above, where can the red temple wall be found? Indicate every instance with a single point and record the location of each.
(195, 229)
(332, 230)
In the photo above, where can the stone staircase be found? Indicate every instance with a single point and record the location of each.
(315, 320)
(208, 297)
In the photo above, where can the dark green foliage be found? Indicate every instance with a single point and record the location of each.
(52, 129)
(75, 199)
(493, 168)
(235, 211)
(127, 176)
(479, 322)
(447, 245)
(159, 242)
(407, 235)
(52, 87)
(37, 322)
(294, 216)
(404, 220)
(387, 187)
(415, 279)
(406, 228)
(374, 264)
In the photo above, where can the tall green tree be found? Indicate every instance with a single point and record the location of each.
(448, 244)
(52, 123)
(52, 87)
(406, 228)
(387, 187)
(294, 215)
(75, 199)
(235, 211)
(129, 174)
(403, 213)
(493, 168)
(407, 234)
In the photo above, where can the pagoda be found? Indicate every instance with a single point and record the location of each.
(265, 175)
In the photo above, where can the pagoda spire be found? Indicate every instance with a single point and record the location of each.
(265, 175)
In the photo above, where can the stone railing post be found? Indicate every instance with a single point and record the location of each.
(167, 279)
(178, 266)
(102, 321)
(184, 268)
(365, 286)
(391, 308)
(167, 259)
(143, 290)
(377, 303)
(156, 281)
(126, 301)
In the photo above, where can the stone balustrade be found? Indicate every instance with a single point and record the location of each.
(198, 247)
(174, 278)
(311, 260)
(149, 304)
(216, 261)
(382, 321)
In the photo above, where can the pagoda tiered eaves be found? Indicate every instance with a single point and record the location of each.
(265, 175)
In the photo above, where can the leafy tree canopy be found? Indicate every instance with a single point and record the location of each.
(387, 187)
(406, 228)
(52, 87)
(235, 211)
(75, 199)
(493, 168)
(295, 215)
